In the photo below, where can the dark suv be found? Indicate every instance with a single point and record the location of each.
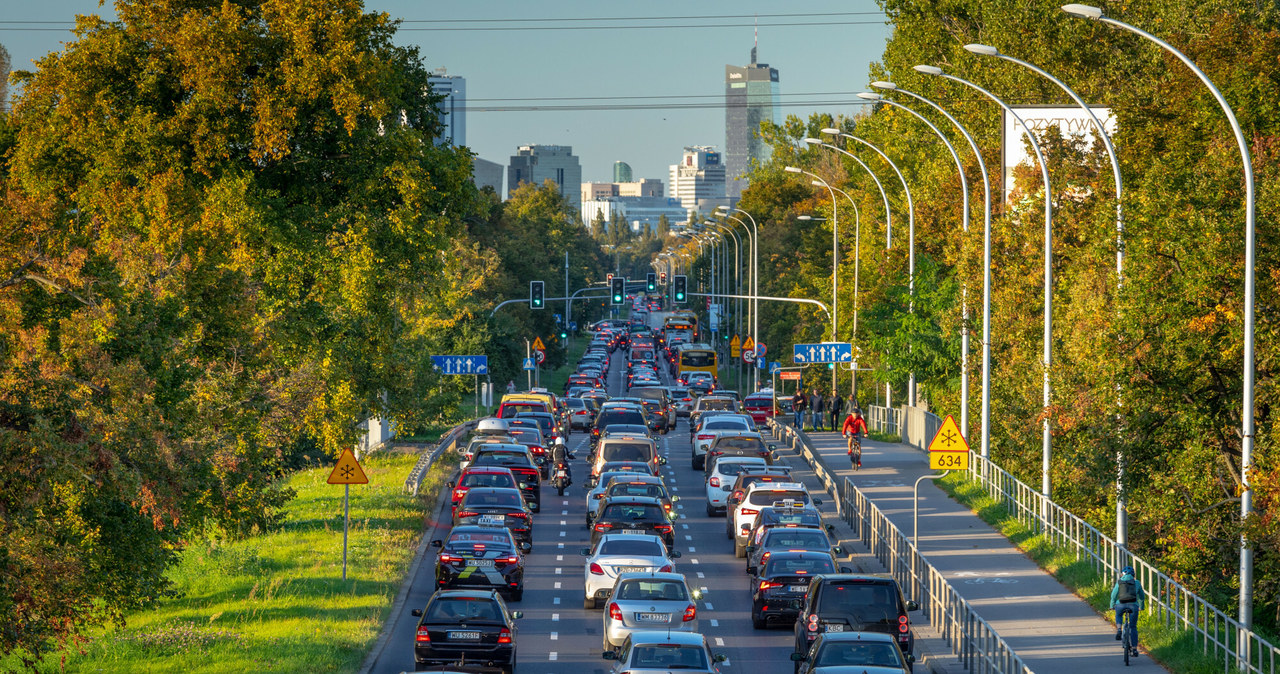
(850, 602)
(465, 626)
(632, 515)
(781, 580)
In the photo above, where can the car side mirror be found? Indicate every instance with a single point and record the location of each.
(609, 655)
(831, 529)
(516, 615)
(675, 499)
(845, 569)
(417, 613)
(437, 543)
(911, 659)
(590, 516)
(451, 484)
(526, 546)
(719, 657)
(662, 461)
(797, 657)
(913, 606)
(772, 446)
(585, 552)
(817, 501)
(751, 570)
(675, 554)
(838, 550)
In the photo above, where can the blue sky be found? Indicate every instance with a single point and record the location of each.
(829, 56)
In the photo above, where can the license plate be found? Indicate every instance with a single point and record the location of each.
(630, 569)
(480, 562)
(835, 627)
(652, 617)
(492, 520)
(797, 588)
(634, 531)
(460, 636)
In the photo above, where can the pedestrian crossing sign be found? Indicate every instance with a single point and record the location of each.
(537, 344)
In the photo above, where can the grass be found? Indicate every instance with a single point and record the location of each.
(1174, 648)
(276, 602)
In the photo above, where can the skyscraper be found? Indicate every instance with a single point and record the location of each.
(454, 106)
(698, 181)
(751, 97)
(538, 163)
(621, 172)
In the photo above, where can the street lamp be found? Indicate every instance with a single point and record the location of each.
(1122, 517)
(1045, 439)
(835, 260)
(857, 257)
(1247, 430)
(755, 274)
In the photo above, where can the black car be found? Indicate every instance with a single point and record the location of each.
(481, 556)
(641, 485)
(781, 581)
(519, 460)
(617, 415)
(788, 538)
(467, 629)
(747, 444)
(783, 516)
(497, 506)
(853, 652)
(847, 602)
(632, 515)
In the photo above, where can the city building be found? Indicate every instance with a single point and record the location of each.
(485, 173)
(453, 107)
(539, 163)
(698, 181)
(621, 172)
(639, 212)
(645, 187)
(750, 97)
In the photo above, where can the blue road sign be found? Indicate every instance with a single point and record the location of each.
(529, 364)
(573, 325)
(774, 367)
(557, 318)
(461, 364)
(762, 363)
(826, 352)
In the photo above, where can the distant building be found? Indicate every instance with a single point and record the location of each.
(487, 173)
(621, 172)
(645, 187)
(698, 181)
(639, 212)
(454, 106)
(539, 163)
(750, 97)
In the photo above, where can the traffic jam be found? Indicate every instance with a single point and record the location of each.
(650, 609)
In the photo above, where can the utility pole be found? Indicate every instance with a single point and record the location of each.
(568, 307)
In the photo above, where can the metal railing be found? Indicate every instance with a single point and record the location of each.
(971, 638)
(1168, 601)
(884, 419)
(448, 442)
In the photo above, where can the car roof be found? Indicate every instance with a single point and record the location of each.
(798, 554)
(471, 594)
(630, 476)
(654, 575)
(632, 500)
(632, 537)
(776, 486)
(486, 469)
(493, 490)
(628, 437)
(858, 636)
(477, 529)
(755, 460)
(667, 637)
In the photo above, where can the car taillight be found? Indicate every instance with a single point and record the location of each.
(595, 569)
(603, 526)
(615, 611)
(663, 528)
(665, 569)
(690, 612)
(423, 635)
(467, 513)
(509, 560)
(813, 623)
(902, 624)
(446, 558)
(537, 450)
(705, 436)
(765, 556)
(458, 494)
(715, 482)
(766, 585)
(522, 516)
(736, 495)
(504, 637)
(749, 511)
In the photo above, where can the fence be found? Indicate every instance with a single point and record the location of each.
(884, 419)
(974, 641)
(448, 442)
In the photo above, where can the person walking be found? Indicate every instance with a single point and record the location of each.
(854, 424)
(817, 404)
(835, 407)
(798, 404)
(1127, 596)
(511, 386)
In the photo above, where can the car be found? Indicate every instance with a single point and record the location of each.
(778, 585)
(510, 408)
(632, 515)
(736, 443)
(758, 496)
(782, 515)
(502, 506)
(850, 602)
(581, 415)
(635, 484)
(616, 554)
(720, 481)
(465, 626)
(479, 476)
(626, 429)
(661, 651)
(711, 403)
(475, 443)
(681, 400)
(616, 466)
(759, 406)
(870, 652)
(659, 393)
(648, 600)
(751, 475)
(703, 432)
(519, 460)
(531, 437)
(599, 485)
(547, 423)
(627, 448)
(779, 538)
(616, 414)
(484, 556)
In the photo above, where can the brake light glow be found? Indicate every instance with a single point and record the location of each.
(459, 493)
(714, 482)
(690, 612)
(423, 635)
(663, 528)
(705, 436)
(765, 557)
(504, 637)
(603, 526)
(665, 569)
(523, 516)
(467, 513)
(749, 511)
(510, 560)
(813, 623)
(615, 612)
(595, 569)
(447, 558)
(902, 624)
(767, 585)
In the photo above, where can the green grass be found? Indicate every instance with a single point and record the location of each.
(554, 380)
(1174, 648)
(276, 602)
(884, 437)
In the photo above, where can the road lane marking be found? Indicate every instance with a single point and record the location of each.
(679, 507)
(555, 636)
(564, 503)
(719, 642)
(557, 570)
(564, 512)
(561, 534)
(687, 537)
(559, 558)
(692, 549)
(701, 575)
(555, 600)
(707, 605)
(555, 617)
(560, 546)
(684, 526)
(553, 655)
(694, 561)
(715, 623)
(557, 585)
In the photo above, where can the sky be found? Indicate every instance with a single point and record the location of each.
(822, 58)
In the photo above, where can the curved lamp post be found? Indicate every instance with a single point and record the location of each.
(755, 276)
(1246, 415)
(835, 260)
(857, 263)
(1045, 440)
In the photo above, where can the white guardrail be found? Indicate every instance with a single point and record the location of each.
(1218, 634)
(972, 640)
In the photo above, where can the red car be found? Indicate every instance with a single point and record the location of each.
(479, 476)
(760, 407)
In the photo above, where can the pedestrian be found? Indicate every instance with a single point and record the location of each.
(817, 404)
(798, 403)
(511, 386)
(835, 407)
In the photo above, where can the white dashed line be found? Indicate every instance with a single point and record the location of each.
(674, 488)
(553, 655)
(564, 512)
(561, 534)
(555, 617)
(684, 526)
(559, 558)
(715, 623)
(719, 642)
(555, 636)
(560, 546)
(564, 523)
(557, 585)
(707, 605)
(692, 549)
(687, 537)
(557, 570)
(679, 507)
(701, 575)
(694, 561)
(555, 600)
(564, 503)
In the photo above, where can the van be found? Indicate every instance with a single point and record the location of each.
(510, 408)
(660, 395)
(627, 448)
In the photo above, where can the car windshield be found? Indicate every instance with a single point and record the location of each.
(803, 517)
(627, 429)
(724, 425)
(668, 656)
(805, 539)
(512, 409)
(770, 497)
(758, 403)
(790, 566)
(869, 603)
(458, 609)
(632, 512)
(652, 590)
(619, 417)
(651, 490)
(508, 499)
(487, 480)
(502, 459)
(715, 404)
(741, 443)
(732, 468)
(575, 403)
(626, 451)
(529, 436)
(858, 654)
(632, 548)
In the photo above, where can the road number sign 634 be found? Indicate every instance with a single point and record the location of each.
(949, 460)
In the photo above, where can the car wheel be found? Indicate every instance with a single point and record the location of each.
(739, 550)
(757, 622)
(517, 594)
(711, 512)
(588, 603)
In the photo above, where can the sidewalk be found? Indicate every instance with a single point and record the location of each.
(1049, 627)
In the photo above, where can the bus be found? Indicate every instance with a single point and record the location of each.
(696, 358)
(681, 322)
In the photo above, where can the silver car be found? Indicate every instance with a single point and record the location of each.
(647, 601)
(616, 554)
(664, 652)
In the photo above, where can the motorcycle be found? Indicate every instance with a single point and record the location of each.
(561, 480)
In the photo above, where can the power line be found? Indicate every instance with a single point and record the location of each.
(651, 106)
(650, 97)
(569, 19)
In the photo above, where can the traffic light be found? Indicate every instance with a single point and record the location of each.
(679, 290)
(619, 288)
(563, 335)
(663, 277)
(535, 295)
(650, 282)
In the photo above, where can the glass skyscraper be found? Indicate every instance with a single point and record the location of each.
(751, 97)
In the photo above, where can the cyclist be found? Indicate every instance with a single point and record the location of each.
(1128, 597)
(852, 425)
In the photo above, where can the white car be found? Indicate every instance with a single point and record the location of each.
(759, 495)
(721, 479)
(713, 428)
(616, 554)
(647, 601)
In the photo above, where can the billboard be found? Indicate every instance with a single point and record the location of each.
(1071, 121)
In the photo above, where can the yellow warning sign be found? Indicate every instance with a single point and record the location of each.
(949, 461)
(348, 470)
(749, 345)
(537, 344)
(948, 438)
(735, 347)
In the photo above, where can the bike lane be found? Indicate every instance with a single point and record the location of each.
(1045, 623)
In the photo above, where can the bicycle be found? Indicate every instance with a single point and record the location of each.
(1129, 634)
(855, 451)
